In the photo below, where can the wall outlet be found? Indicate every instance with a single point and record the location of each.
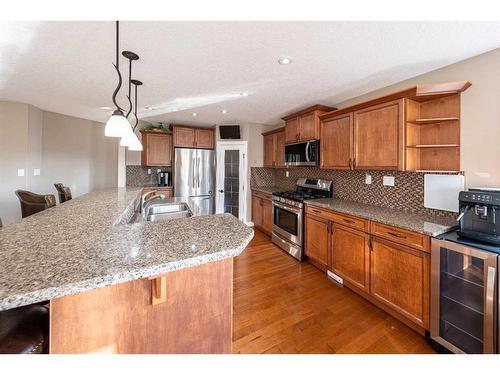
(388, 181)
(287, 174)
(36, 172)
(368, 179)
(149, 170)
(20, 172)
(158, 170)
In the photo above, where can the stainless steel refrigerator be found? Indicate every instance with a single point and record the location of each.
(194, 176)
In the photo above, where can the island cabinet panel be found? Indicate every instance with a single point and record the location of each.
(196, 316)
(317, 241)
(157, 149)
(400, 279)
(337, 142)
(351, 256)
(262, 211)
(379, 136)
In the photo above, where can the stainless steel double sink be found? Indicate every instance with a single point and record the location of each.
(166, 211)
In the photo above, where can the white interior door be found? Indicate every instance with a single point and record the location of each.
(232, 178)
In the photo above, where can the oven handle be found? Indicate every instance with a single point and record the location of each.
(295, 210)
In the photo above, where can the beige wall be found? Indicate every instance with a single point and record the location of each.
(66, 149)
(480, 105)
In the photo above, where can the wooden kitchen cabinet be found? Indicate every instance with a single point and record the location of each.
(317, 241)
(274, 148)
(350, 257)
(337, 144)
(156, 149)
(379, 136)
(262, 211)
(303, 126)
(399, 278)
(193, 137)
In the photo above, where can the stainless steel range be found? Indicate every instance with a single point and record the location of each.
(288, 213)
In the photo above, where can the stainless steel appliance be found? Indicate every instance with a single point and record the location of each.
(288, 213)
(480, 215)
(302, 154)
(464, 294)
(194, 176)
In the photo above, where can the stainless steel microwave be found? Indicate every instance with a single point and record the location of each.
(302, 154)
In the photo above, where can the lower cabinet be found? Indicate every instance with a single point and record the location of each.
(262, 212)
(351, 256)
(400, 279)
(316, 241)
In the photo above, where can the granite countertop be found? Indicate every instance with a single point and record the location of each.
(268, 189)
(427, 224)
(83, 244)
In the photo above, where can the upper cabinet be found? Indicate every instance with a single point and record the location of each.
(156, 149)
(193, 137)
(336, 146)
(304, 125)
(274, 148)
(379, 136)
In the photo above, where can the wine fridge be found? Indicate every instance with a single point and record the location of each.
(464, 295)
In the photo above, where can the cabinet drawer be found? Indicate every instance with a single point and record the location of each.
(262, 195)
(347, 220)
(402, 236)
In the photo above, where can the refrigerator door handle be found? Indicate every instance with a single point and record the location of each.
(489, 323)
(198, 169)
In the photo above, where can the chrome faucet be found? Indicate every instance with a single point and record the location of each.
(150, 197)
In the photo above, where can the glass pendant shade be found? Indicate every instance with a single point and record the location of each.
(135, 145)
(117, 125)
(131, 141)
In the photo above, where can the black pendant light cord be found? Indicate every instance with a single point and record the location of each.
(129, 88)
(135, 109)
(117, 67)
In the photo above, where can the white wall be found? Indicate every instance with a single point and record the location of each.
(65, 149)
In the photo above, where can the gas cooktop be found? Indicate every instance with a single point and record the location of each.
(299, 196)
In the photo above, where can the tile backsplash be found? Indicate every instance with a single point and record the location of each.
(407, 194)
(137, 175)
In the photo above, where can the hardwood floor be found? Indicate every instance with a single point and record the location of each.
(283, 306)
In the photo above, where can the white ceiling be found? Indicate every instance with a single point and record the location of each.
(203, 67)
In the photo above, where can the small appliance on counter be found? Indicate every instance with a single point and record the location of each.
(163, 178)
(288, 213)
(465, 297)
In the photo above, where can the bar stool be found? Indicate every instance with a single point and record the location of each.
(24, 330)
(64, 192)
(32, 203)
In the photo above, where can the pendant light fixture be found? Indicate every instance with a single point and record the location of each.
(134, 143)
(130, 138)
(117, 125)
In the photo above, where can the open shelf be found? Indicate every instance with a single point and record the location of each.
(436, 120)
(432, 134)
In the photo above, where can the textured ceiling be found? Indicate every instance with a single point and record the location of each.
(203, 67)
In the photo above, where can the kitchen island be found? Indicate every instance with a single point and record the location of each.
(146, 287)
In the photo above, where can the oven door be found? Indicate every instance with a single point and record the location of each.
(287, 222)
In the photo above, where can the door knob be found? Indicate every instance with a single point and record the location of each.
(221, 191)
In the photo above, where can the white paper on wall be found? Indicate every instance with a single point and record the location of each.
(441, 191)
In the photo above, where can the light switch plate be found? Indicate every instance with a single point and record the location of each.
(149, 170)
(368, 179)
(287, 174)
(36, 172)
(20, 172)
(388, 181)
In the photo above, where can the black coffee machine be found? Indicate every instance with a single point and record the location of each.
(480, 215)
(163, 178)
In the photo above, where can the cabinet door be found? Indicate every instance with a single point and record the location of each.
(400, 279)
(292, 130)
(256, 211)
(269, 150)
(316, 241)
(279, 150)
(308, 127)
(379, 136)
(351, 255)
(184, 137)
(337, 142)
(204, 138)
(267, 215)
(158, 150)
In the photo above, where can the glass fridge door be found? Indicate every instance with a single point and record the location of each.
(462, 297)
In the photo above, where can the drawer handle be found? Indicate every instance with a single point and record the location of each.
(349, 221)
(396, 235)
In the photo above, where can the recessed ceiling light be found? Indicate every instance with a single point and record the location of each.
(285, 60)
(195, 114)
(244, 94)
(106, 108)
(224, 111)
